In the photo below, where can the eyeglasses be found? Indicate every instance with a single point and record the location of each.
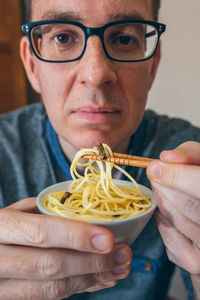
(65, 41)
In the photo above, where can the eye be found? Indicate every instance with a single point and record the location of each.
(63, 38)
(124, 40)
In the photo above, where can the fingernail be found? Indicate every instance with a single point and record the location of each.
(100, 242)
(120, 270)
(155, 170)
(121, 256)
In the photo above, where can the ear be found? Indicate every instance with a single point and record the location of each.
(28, 62)
(155, 64)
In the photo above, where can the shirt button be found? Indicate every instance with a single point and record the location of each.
(147, 266)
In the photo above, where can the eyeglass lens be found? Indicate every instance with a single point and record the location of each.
(62, 42)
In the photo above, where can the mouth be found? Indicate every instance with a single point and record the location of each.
(96, 114)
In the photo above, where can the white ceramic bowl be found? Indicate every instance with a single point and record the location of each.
(126, 230)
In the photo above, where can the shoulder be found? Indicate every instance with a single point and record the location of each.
(21, 129)
(164, 132)
(30, 113)
(24, 154)
(29, 119)
(163, 124)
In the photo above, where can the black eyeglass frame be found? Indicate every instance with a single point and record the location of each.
(88, 31)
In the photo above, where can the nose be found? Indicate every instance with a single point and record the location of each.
(96, 69)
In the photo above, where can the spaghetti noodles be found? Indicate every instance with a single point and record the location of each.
(95, 197)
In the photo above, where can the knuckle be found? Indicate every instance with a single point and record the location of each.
(50, 266)
(174, 176)
(169, 212)
(58, 289)
(36, 232)
(54, 289)
(191, 205)
(101, 277)
(78, 237)
(51, 290)
(166, 212)
(72, 239)
(79, 284)
(99, 263)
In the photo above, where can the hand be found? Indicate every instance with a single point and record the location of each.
(175, 180)
(47, 257)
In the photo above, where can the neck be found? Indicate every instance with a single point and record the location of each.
(68, 149)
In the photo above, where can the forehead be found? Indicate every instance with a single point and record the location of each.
(91, 12)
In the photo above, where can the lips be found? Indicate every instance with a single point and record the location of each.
(96, 114)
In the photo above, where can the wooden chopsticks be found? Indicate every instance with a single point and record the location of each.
(123, 159)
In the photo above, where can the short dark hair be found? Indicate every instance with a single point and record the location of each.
(156, 7)
(28, 10)
(155, 3)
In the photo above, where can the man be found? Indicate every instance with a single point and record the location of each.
(94, 85)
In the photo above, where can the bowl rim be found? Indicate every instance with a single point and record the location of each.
(43, 193)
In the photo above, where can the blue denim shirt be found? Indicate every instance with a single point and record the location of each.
(31, 159)
(151, 270)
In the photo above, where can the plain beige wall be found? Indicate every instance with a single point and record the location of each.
(176, 90)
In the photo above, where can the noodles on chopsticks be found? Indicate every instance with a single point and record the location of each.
(94, 196)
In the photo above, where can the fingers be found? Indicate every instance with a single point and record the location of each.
(170, 199)
(169, 203)
(177, 244)
(176, 188)
(39, 264)
(186, 153)
(178, 168)
(49, 231)
(43, 290)
(181, 177)
(106, 285)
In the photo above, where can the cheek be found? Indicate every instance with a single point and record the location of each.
(136, 83)
(51, 81)
(55, 83)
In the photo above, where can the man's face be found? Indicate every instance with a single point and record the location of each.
(93, 99)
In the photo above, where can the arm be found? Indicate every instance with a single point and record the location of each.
(45, 257)
(175, 181)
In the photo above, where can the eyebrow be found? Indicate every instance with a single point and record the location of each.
(72, 16)
(63, 16)
(117, 17)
